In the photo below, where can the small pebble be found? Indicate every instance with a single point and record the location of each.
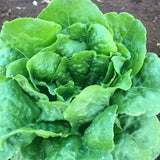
(35, 3)
(45, 1)
(158, 44)
(20, 7)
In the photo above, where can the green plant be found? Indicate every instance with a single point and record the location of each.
(76, 84)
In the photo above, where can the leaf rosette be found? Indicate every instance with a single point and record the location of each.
(78, 84)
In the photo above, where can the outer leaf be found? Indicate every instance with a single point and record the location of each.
(83, 11)
(33, 151)
(14, 102)
(139, 137)
(13, 145)
(16, 111)
(19, 112)
(143, 97)
(53, 149)
(155, 149)
(87, 104)
(67, 149)
(52, 111)
(141, 128)
(0, 44)
(149, 75)
(137, 101)
(17, 67)
(128, 149)
(94, 155)
(29, 35)
(132, 34)
(7, 56)
(99, 135)
(44, 130)
(28, 88)
(17, 156)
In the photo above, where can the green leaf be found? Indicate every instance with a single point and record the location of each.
(118, 62)
(149, 75)
(124, 52)
(87, 104)
(77, 31)
(47, 129)
(51, 111)
(33, 151)
(132, 34)
(16, 156)
(43, 65)
(143, 96)
(155, 149)
(0, 44)
(29, 35)
(17, 67)
(97, 70)
(101, 40)
(67, 47)
(16, 111)
(69, 148)
(78, 70)
(64, 46)
(7, 56)
(90, 67)
(110, 75)
(43, 129)
(117, 126)
(14, 102)
(62, 76)
(49, 86)
(13, 145)
(85, 56)
(139, 137)
(50, 149)
(18, 115)
(128, 149)
(144, 130)
(67, 92)
(94, 155)
(83, 11)
(99, 135)
(123, 82)
(28, 88)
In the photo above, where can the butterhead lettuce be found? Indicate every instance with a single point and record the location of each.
(77, 84)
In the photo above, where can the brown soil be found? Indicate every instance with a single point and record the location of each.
(146, 10)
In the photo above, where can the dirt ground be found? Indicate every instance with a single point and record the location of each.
(148, 11)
